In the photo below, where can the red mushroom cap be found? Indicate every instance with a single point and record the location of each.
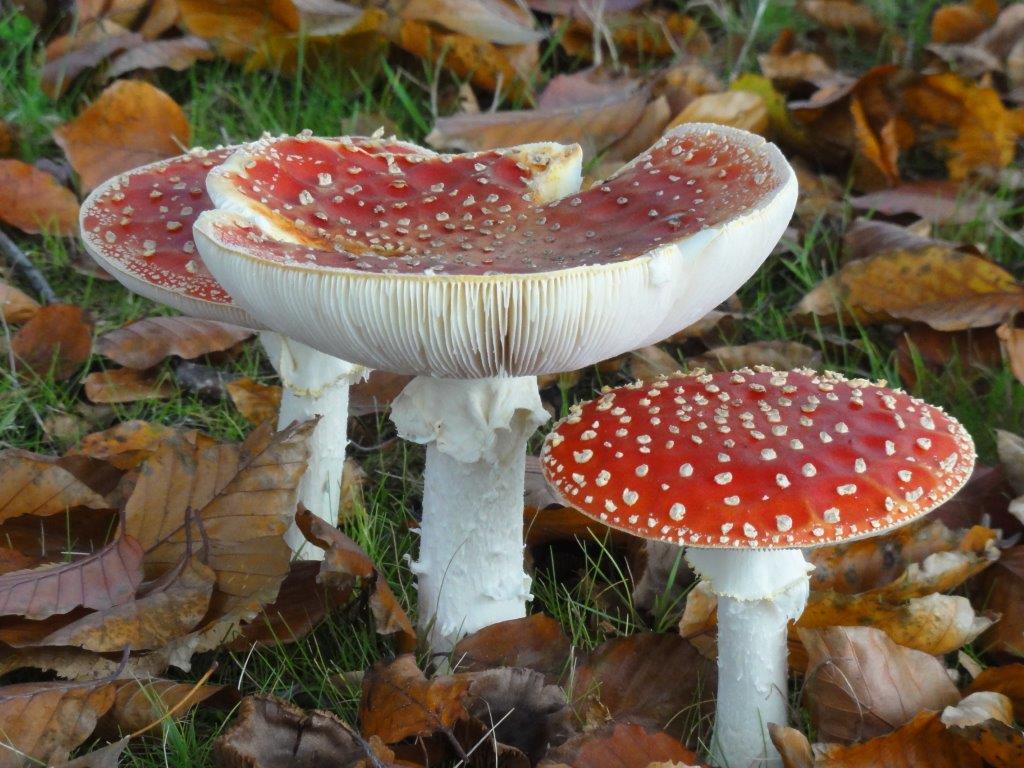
(759, 458)
(468, 214)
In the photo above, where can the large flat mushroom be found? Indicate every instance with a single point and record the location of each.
(443, 267)
(745, 469)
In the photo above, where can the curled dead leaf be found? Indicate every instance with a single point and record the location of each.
(985, 721)
(144, 343)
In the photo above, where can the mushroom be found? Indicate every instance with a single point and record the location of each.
(745, 468)
(444, 268)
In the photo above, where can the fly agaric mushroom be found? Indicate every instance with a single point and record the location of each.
(442, 267)
(745, 468)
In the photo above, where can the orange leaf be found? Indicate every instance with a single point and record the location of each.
(124, 385)
(256, 402)
(16, 306)
(124, 445)
(59, 336)
(130, 124)
(34, 201)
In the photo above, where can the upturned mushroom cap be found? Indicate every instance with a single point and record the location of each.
(441, 265)
(757, 458)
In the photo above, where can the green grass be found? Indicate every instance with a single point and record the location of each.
(589, 591)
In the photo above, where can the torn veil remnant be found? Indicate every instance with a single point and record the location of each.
(745, 468)
(444, 266)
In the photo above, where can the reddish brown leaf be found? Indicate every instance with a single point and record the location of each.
(38, 485)
(256, 402)
(375, 393)
(1007, 679)
(620, 746)
(536, 642)
(985, 721)
(58, 338)
(130, 124)
(145, 343)
(126, 385)
(124, 445)
(101, 580)
(43, 722)
(139, 703)
(34, 201)
(1002, 588)
(1011, 338)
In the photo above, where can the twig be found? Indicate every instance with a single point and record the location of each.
(762, 6)
(20, 262)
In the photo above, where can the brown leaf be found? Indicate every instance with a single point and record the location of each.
(43, 722)
(594, 125)
(104, 757)
(103, 579)
(16, 306)
(793, 746)
(842, 15)
(34, 201)
(777, 354)
(145, 343)
(536, 642)
(125, 385)
(57, 339)
(141, 702)
(660, 679)
(635, 35)
(375, 393)
(130, 124)
(31, 484)
(860, 684)
(488, 20)
(1011, 338)
(84, 47)
(792, 67)
(740, 109)
(256, 402)
(947, 289)
(168, 608)
(237, 28)
(178, 54)
(985, 721)
(125, 445)
(961, 22)
(620, 745)
(271, 733)
(648, 363)
(150, 17)
(1007, 679)
(941, 202)
(1002, 587)
(399, 701)
(344, 559)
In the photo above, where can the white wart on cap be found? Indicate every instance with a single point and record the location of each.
(757, 458)
(442, 265)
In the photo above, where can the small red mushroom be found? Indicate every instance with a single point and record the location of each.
(744, 468)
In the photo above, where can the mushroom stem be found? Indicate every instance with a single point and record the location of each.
(315, 385)
(759, 593)
(470, 567)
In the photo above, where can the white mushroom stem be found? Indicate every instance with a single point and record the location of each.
(759, 593)
(470, 567)
(314, 384)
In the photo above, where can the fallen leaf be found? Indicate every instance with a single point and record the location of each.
(536, 642)
(739, 109)
(961, 22)
(947, 289)
(940, 202)
(36, 485)
(34, 201)
(620, 745)
(648, 363)
(860, 684)
(490, 20)
(130, 124)
(794, 67)
(43, 722)
(634, 35)
(777, 354)
(149, 17)
(271, 733)
(237, 28)
(842, 15)
(985, 721)
(125, 385)
(125, 445)
(145, 343)
(84, 47)
(1011, 338)
(57, 339)
(16, 306)
(101, 580)
(1007, 679)
(399, 701)
(256, 402)
(1002, 588)
(141, 702)
(178, 54)
(375, 393)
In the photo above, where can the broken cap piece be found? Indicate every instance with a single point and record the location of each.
(441, 265)
(757, 458)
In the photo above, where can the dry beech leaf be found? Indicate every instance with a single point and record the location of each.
(399, 701)
(34, 201)
(593, 124)
(1011, 338)
(648, 677)
(635, 35)
(256, 402)
(620, 745)
(375, 393)
(43, 722)
(101, 580)
(794, 67)
(130, 124)
(83, 48)
(940, 202)
(536, 642)
(141, 702)
(104, 757)
(16, 306)
(1007, 679)
(778, 354)
(490, 20)
(238, 27)
(961, 22)
(1002, 588)
(31, 484)
(271, 733)
(126, 385)
(947, 289)
(739, 109)
(985, 721)
(168, 608)
(648, 363)
(145, 343)
(860, 684)
(178, 54)
(125, 445)
(149, 17)
(345, 560)
(58, 339)
(842, 15)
